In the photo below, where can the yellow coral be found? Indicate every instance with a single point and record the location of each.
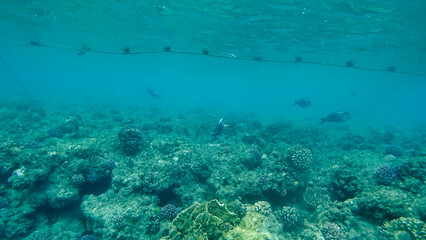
(405, 228)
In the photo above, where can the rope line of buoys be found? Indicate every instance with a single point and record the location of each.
(206, 52)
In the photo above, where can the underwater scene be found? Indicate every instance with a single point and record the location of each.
(212, 120)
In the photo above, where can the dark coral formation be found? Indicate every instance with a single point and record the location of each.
(299, 156)
(168, 212)
(385, 175)
(289, 217)
(395, 150)
(344, 183)
(332, 231)
(315, 196)
(131, 139)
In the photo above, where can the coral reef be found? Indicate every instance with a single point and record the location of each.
(91, 172)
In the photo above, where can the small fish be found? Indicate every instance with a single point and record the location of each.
(303, 102)
(154, 94)
(218, 129)
(338, 116)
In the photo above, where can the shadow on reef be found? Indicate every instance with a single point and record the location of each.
(101, 172)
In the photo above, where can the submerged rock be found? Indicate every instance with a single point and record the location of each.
(395, 150)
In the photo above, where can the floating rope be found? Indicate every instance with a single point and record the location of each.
(27, 94)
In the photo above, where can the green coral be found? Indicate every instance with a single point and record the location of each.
(213, 220)
(404, 228)
(203, 221)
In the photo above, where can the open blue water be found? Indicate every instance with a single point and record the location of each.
(186, 81)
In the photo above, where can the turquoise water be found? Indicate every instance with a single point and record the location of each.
(87, 152)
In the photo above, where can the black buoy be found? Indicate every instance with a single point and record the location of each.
(258, 58)
(83, 50)
(206, 52)
(391, 68)
(167, 49)
(34, 43)
(126, 50)
(298, 59)
(349, 63)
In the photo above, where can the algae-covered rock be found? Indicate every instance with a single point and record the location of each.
(384, 203)
(404, 229)
(62, 196)
(16, 221)
(115, 217)
(203, 221)
(63, 228)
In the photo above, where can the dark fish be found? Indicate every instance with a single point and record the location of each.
(303, 102)
(154, 94)
(218, 129)
(338, 116)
